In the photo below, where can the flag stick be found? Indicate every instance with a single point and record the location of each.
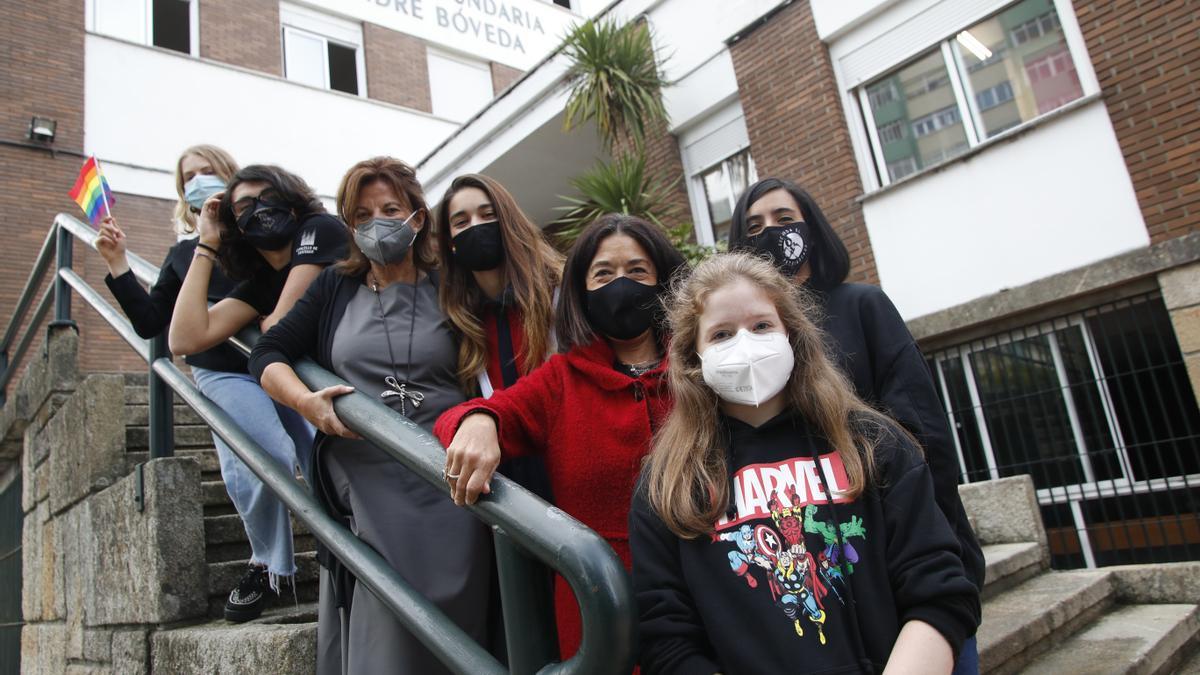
(103, 192)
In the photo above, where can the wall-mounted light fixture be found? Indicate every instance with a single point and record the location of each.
(42, 129)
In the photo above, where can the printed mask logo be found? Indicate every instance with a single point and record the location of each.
(792, 245)
(799, 582)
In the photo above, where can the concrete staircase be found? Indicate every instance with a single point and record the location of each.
(1128, 619)
(227, 550)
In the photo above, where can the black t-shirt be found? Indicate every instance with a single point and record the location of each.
(150, 313)
(320, 240)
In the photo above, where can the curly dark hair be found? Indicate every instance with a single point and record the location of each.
(573, 328)
(237, 257)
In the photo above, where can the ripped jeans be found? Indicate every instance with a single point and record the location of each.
(286, 436)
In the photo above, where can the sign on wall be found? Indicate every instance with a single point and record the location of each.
(517, 33)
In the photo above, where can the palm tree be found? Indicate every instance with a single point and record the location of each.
(621, 186)
(615, 80)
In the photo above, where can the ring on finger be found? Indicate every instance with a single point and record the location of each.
(449, 476)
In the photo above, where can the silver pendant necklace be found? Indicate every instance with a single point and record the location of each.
(396, 387)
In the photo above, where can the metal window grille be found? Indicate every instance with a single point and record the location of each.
(11, 520)
(1097, 407)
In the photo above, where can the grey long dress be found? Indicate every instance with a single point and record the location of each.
(439, 548)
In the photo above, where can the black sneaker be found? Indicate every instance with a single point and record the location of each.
(248, 599)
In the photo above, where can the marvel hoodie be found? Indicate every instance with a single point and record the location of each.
(797, 577)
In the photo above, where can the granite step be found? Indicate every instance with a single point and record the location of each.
(1009, 565)
(137, 414)
(282, 640)
(1130, 640)
(228, 529)
(1023, 622)
(223, 576)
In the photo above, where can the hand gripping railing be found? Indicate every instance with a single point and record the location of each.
(527, 530)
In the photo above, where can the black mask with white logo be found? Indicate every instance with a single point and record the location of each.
(788, 245)
(622, 309)
(268, 226)
(480, 247)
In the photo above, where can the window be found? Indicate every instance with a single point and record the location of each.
(990, 98)
(322, 51)
(901, 168)
(169, 24)
(723, 184)
(1097, 408)
(1035, 28)
(882, 94)
(891, 132)
(458, 86)
(991, 77)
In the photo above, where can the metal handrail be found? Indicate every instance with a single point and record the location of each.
(526, 528)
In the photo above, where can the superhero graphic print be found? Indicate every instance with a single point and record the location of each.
(777, 505)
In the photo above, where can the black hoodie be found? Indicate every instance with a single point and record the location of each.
(796, 578)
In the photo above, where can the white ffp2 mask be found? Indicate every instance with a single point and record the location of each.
(749, 368)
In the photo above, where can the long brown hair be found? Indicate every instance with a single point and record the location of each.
(531, 266)
(686, 472)
(403, 180)
(223, 166)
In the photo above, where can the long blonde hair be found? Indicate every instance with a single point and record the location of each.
(223, 166)
(531, 265)
(686, 471)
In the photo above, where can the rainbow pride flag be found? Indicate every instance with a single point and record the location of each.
(91, 191)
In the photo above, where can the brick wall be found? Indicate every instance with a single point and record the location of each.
(796, 125)
(663, 164)
(397, 68)
(244, 33)
(1147, 55)
(42, 47)
(502, 76)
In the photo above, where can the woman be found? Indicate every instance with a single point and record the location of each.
(499, 276)
(782, 525)
(220, 371)
(272, 235)
(590, 412)
(374, 321)
(871, 343)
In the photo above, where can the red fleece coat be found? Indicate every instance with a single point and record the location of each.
(593, 426)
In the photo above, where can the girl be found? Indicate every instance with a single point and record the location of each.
(781, 524)
(872, 345)
(590, 411)
(273, 236)
(374, 320)
(220, 371)
(499, 276)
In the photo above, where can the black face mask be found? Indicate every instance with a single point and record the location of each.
(267, 225)
(622, 309)
(480, 247)
(788, 245)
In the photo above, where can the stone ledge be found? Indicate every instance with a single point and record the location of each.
(1110, 272)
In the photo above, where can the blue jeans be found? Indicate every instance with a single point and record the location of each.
(286, 436)
(968, 659)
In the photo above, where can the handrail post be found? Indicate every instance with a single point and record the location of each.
(162, 404)
(527, 602)
(64, 255)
